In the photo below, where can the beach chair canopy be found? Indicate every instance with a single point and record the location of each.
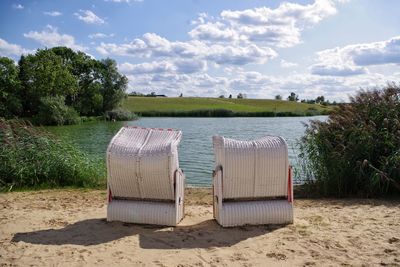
(253, 169)
(141, 163)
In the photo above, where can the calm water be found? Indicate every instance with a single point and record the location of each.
(195, 151)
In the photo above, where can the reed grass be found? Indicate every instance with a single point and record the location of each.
(30, 157)
(356, 152)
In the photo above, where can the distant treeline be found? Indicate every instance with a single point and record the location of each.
(229, 113)
(58, 85)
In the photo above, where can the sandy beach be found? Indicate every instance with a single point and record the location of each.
(68, 228)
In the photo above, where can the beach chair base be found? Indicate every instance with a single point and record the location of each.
(255, 213)
(145, 212)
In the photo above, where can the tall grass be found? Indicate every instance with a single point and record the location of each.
(30, 157)
(357, 150)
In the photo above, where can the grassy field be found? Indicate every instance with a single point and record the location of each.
(196, 106)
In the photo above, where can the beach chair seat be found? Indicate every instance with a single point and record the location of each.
(252, 182)
(144, 181)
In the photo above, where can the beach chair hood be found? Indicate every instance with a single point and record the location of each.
(141, 163)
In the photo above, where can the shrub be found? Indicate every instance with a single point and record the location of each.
(30, 157)
(53, 111)
(357, 150)
(119, 115)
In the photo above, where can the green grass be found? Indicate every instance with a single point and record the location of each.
(196, 106)
(30, 157)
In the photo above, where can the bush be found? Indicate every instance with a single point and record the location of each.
(53, 111)
(30, 157)
(357, 150)
(119, 115)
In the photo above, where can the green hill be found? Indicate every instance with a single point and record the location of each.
(220, 107)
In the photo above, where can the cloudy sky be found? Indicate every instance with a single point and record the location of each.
(208, 48)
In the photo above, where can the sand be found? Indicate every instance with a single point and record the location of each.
(68, 228)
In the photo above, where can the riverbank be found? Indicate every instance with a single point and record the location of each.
(68, 227)
(220, 107)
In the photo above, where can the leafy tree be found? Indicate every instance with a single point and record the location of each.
(113, 84)
(89, 86)
(240, 96)
(181, 95)
(44, 75)
(53, 111)
(230, 96)
(10, 103)
(320, 99)
(278, 97)
(221, 96)
(293, 97)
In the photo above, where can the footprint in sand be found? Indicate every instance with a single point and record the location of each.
(278, 256)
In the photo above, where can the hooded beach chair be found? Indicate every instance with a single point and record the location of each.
(252, 182)
(144, 181)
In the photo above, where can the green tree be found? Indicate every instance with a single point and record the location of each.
(10, 103)
(293, 97)
(87, 100)
(320, 99)
(44, 75)
(113, 84)
(278, 97)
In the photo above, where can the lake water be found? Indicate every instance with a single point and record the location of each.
(195, 151)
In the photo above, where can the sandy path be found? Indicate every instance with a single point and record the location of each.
(67, 227)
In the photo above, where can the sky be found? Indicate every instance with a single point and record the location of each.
(209, 48)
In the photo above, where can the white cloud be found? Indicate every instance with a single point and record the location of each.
(52, 13)
(279, 27)
(287, 64)
(385, 52)
(153, 45)
(234, 37)
(100, 35)
(352, 59)
(18, 6)
(7, 49)
(165, 67)
(50, 37)
(89, 17)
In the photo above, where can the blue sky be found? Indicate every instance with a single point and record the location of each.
(208, 48)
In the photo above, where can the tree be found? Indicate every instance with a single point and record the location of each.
(293, 97)
(240, 96)
(10, 103)
(44, 75)
(88, 99)
(278, 97)
(320, 99)
(113, 84)
(230, 96)
(181, 95)
(221, 96)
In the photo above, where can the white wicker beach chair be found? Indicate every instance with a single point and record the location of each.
(145, 183)
(252, 182)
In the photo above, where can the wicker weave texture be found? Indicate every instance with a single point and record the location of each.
(256, 212)
(141, 163)
(143, 168)
(252, 170)
(256, 168)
